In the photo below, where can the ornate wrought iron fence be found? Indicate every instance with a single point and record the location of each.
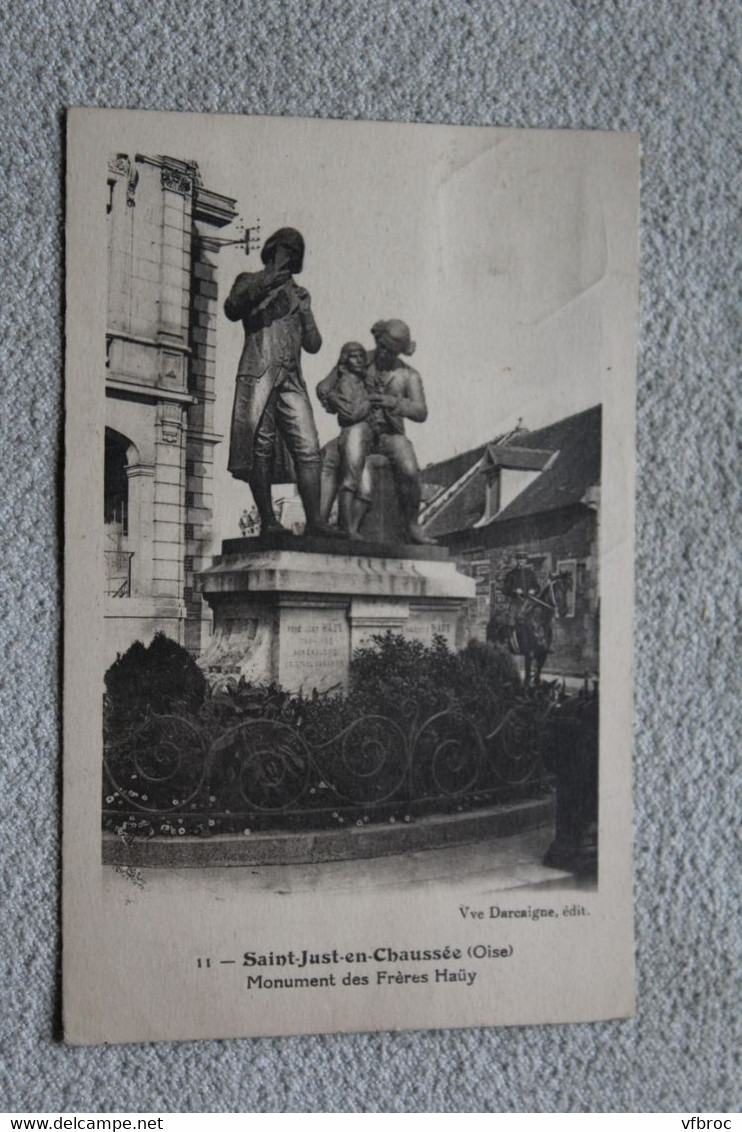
(170, 775)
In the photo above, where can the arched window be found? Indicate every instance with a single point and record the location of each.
(116, 483)
(120, 456)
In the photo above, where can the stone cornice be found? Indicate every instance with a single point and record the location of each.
(151, 392)
(213, 208)
(184, 177)
(168, 346)
(204, 436)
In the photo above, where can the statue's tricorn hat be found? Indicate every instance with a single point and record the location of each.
(395, 335)
(290, 239)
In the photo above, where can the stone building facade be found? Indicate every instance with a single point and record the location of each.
(534, 495)
(160, 392)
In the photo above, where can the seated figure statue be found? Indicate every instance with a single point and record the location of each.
(372, 394)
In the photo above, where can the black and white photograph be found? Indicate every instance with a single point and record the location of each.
(359, 487)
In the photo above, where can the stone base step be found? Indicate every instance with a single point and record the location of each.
(368, 841)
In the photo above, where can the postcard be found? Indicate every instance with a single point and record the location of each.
(348, 576)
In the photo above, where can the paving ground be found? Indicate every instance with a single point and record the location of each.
(572, 684)
(498, 864)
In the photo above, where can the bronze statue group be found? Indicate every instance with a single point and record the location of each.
(372, 393)
(274, 436)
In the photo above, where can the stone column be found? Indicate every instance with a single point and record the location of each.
(141, 480)
(210, 212)
(168, 506)
(177, 187)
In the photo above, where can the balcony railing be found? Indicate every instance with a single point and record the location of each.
(118, 573)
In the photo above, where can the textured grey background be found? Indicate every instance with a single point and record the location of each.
(668, 68)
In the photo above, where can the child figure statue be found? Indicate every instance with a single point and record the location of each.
(348, 398)
(395, 394)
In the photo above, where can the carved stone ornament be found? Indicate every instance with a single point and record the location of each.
(170, 432)
(131, 187)
(176, 182)
(119, 163)
(171, 423)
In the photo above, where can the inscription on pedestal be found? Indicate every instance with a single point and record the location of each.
(314, 608)
(314, 648)
(424, 625)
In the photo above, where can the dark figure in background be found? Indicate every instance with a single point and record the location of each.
(528, 631)
(272, 419)
(395, 393)
(519, 585)
(571, 755)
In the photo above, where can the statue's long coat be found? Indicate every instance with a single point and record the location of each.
(278, 323)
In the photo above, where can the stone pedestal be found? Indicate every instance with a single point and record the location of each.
(383, 522)
(293, 610)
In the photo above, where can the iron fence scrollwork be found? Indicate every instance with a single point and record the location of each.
(277, 774)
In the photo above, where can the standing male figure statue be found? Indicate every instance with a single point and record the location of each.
(395, 393)
(272, 414)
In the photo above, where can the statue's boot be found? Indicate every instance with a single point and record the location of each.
(348, 514)
(260, 486)
(328, 491)
(417, 535)
(409, 497)
(308, 478)
(361, 508)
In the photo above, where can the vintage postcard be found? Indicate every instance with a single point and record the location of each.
(349, 558)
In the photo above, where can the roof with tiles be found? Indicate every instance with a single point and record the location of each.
(575, 467)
